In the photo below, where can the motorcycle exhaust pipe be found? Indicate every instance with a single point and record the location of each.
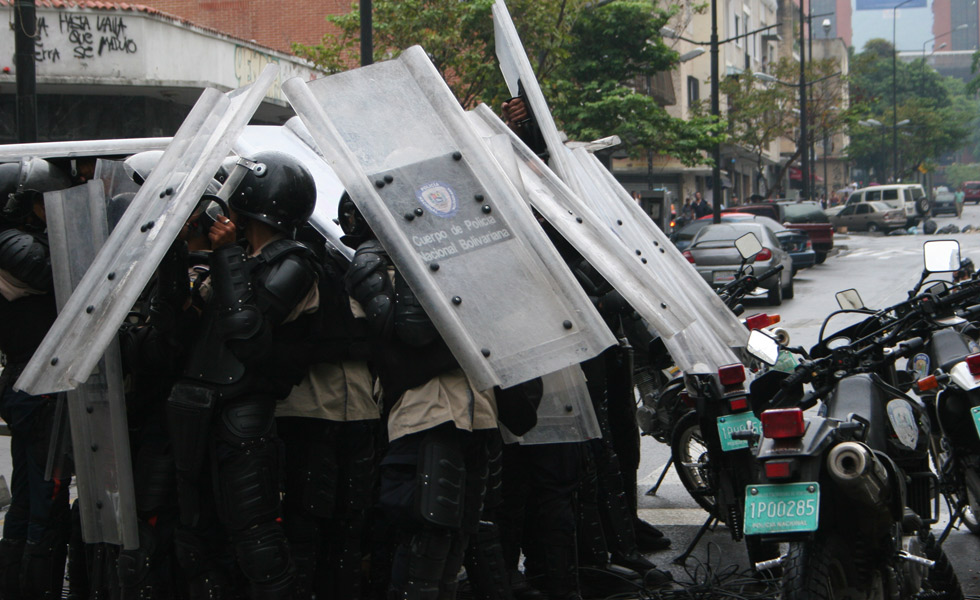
(859, 473)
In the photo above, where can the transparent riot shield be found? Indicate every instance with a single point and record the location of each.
(294, 139)
(120, 189)
(455, 227)
(81, 148)
(624, 269)
(565, 413)
(77, 228)
(89, 320)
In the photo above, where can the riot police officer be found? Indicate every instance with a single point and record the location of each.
(433, 471)
(221, 412)
(36, 528)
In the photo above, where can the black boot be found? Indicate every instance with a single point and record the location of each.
(11, 557)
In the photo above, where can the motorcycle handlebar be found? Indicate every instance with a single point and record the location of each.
(769, 273)
(956, 297)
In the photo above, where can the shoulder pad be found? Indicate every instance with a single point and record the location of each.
(284, 286)
(275, 251)
(26, 257)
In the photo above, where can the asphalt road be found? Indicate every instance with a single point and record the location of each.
(882, 269)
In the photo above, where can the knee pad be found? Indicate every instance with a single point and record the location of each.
(427, 554)
(263, 553)
(441, 478)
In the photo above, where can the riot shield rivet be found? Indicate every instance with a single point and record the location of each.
(169, 191)
(89, 309)
(409, 217)
(662, 251)
(90, 409)
(638, 253)
(485, 351)
(663, 305)
(754, 491)
(419, 212)
(163, 194)
(568, 408)
(656, 243)
(457, 156)
(98, 504)
(389, 178)
(457, 300)
(95, 447)
(643, 260)
(486, 209)
(379, 184)
(619, 222)
(566, 324)
(434, 266)
(111, 276)
(578, 219)
(478, 197)
(54, 361)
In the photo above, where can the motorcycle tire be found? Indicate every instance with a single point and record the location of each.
(942, 579)
(820, 569)
(690, 455)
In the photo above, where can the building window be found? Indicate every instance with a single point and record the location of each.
(738, 30)
(693, 90)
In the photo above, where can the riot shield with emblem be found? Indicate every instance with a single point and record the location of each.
(77, 228)
(293, 139)
(565, 413)
(453, 224)
(89, 320)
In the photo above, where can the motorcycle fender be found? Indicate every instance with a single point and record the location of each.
(961, 376)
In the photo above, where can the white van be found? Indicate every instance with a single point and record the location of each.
(908, 196)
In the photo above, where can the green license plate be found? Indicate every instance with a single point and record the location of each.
(782, 508)
(729, 424)
(975, 411)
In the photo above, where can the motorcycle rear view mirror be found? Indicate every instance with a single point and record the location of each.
(941, 256)
(748, 246)
(763, 347)
(849, 299)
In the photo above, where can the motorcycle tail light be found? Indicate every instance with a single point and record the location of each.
(779, 469)
(764, 254)
(739, 403)
(731, 374)
(928, 383)
(761, 320)
(690, 257)
(781, 423)
(973, 361)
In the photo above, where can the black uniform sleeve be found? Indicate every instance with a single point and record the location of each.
(27, 258)
(367, 282)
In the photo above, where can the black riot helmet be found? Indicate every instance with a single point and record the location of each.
(350, 219)
(277, 190)
(34, 177)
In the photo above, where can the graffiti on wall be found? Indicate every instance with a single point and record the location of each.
(81, 37)
(249, 64)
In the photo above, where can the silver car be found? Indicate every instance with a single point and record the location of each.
(869, 216)
(713, 254)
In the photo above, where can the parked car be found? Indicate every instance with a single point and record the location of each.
(908, 196)
(869, 216)
(971, 191)
(805, 215)
(713, 254)
(944, 202)
(794, 241)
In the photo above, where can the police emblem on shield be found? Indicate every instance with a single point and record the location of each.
(439, 198)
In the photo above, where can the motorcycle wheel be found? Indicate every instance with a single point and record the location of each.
(818, 570)
(690, 454)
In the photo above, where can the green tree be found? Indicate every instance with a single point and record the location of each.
(587, 55)
(938, 117)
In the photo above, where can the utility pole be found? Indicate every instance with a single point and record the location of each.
(804, 138)
(25, 32)
(367, 34)
(716, 111)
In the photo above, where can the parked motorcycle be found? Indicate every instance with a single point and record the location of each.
(851, 489)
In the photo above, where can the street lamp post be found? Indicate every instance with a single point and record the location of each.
(895, 91)
(714, 44)
(804, 138)
(944, 44)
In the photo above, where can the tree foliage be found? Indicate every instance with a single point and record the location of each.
(588, 57)
(937, 115)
